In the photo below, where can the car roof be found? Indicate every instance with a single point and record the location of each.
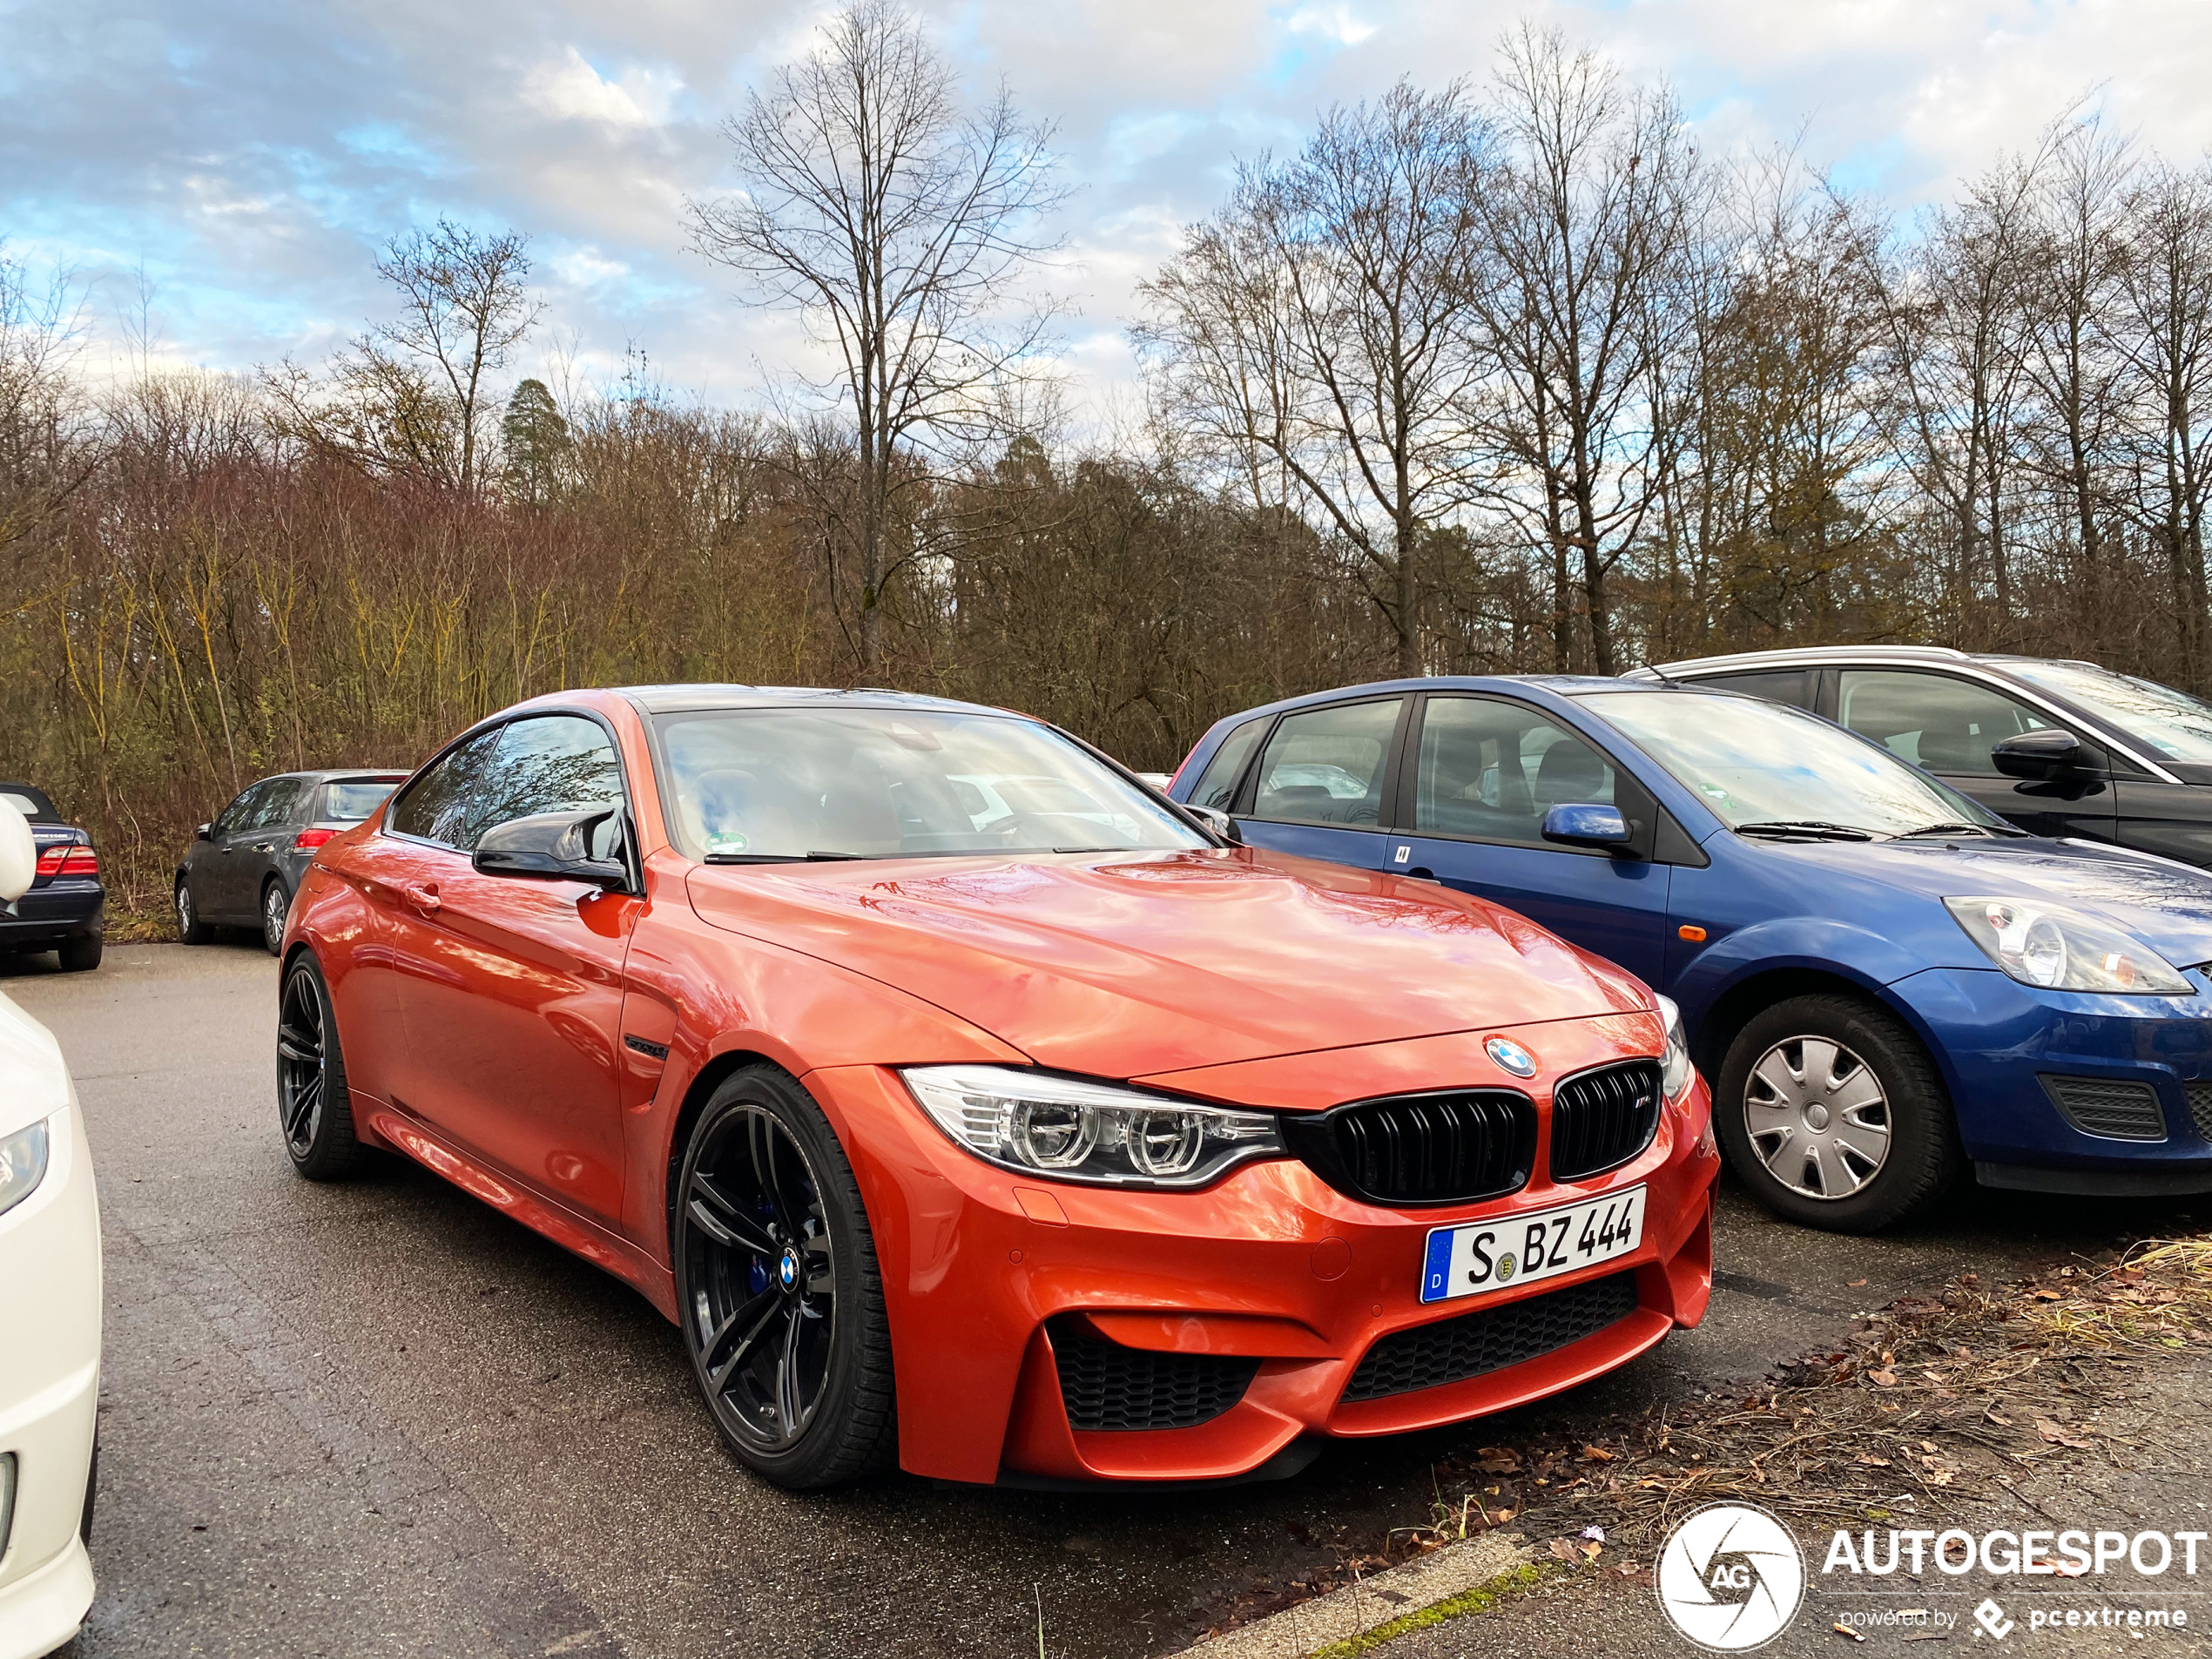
(1829, 656)
(1563, 686)
(674, 700)
(32, 793)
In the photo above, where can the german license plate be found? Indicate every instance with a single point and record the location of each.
(1482, 1255)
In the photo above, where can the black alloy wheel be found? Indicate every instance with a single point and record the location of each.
(781, 1300)
(276, 910)
(190, 927)
(312, 1107)
(1834, 1116)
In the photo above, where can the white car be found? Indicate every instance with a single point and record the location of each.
(50, 1300)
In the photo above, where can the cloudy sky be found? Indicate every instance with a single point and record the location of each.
(243, 160)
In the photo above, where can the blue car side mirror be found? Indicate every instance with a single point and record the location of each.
(1586, 823)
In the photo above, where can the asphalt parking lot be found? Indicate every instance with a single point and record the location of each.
(380, 1419)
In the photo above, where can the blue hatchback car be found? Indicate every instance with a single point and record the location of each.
(1885, 980)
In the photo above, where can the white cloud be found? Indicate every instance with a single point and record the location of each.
(569, 89)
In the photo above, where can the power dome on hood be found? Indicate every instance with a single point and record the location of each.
(1125, 964)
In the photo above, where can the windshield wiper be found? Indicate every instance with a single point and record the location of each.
(1811, 829)
(1962, 828)
(780, 857)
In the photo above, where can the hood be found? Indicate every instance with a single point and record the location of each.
(34, 1083)
(1126, 964)
(2167, 906)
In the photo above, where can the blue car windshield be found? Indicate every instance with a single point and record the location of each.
(1755, 762)
(772, 784)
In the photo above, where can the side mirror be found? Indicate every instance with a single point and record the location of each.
(2041, 756)
(554, 846)
(204, 832)
(1219, 821)
(1586, 823)
(19, 856)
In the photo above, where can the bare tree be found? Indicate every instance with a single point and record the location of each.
(1592, 227)
(463, 307)
(899, 224)
(1321, 327)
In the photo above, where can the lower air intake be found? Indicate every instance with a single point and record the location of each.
(1452, 1351)
(1107, 1386)
(2200, 1097)
(2110, 1110)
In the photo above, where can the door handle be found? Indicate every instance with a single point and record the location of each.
(263, 846)
(423, 895)
(1418, 873)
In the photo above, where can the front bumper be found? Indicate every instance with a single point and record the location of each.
(59, 907)
(1270, 1264)
(50, 1377)
(2002, 1044)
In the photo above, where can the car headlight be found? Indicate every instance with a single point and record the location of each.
(1675, 1073)
(1067, 1129)
(22, 1165)
(2065, 950)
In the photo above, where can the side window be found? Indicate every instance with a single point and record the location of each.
(1945, 725)
(1216, 786)
(553, 763)
(1325, 765)
(1492, 770)
(281, 795)
(240, 813)
(445, 804)
(1776, 686)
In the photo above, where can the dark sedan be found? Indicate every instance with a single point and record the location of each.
(2062, 749)
(66, 910)
(242, 869)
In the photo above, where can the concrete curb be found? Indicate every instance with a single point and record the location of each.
(1299, 1630)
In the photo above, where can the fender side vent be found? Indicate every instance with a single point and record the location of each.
(1106, 1386)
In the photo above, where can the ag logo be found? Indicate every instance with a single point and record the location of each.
(1731, 1577)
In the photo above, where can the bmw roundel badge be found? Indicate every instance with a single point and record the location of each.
(1511, 1057)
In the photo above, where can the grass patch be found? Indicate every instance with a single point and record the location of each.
(1480, 1598)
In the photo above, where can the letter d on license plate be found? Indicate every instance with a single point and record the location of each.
(1481, 1255)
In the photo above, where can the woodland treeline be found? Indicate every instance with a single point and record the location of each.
(1508, 377)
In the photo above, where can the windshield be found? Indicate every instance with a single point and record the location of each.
(1754, 762)
(350, 802)
(2176, 724)
(770, 784)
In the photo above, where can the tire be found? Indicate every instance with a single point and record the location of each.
(778, 1288)
(314, 1111)
(1834, 1116)
(276, 909)
(190, 927)
(81, 955)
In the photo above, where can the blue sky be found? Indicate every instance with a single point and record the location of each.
(246, 156)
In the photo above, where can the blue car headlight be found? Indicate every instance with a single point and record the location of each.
(2061, 949)
(1675, 1073)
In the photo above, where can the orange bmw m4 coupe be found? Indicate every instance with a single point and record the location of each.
(974, 1108)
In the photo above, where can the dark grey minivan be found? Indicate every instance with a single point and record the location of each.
(242, 869)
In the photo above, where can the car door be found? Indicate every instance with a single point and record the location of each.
(1947, 725)
(218, 878)
(1485, 771)
(510, 986)
(254, 859)
(1321, 781)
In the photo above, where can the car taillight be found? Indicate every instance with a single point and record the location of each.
(309, 840)
(63, 859)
